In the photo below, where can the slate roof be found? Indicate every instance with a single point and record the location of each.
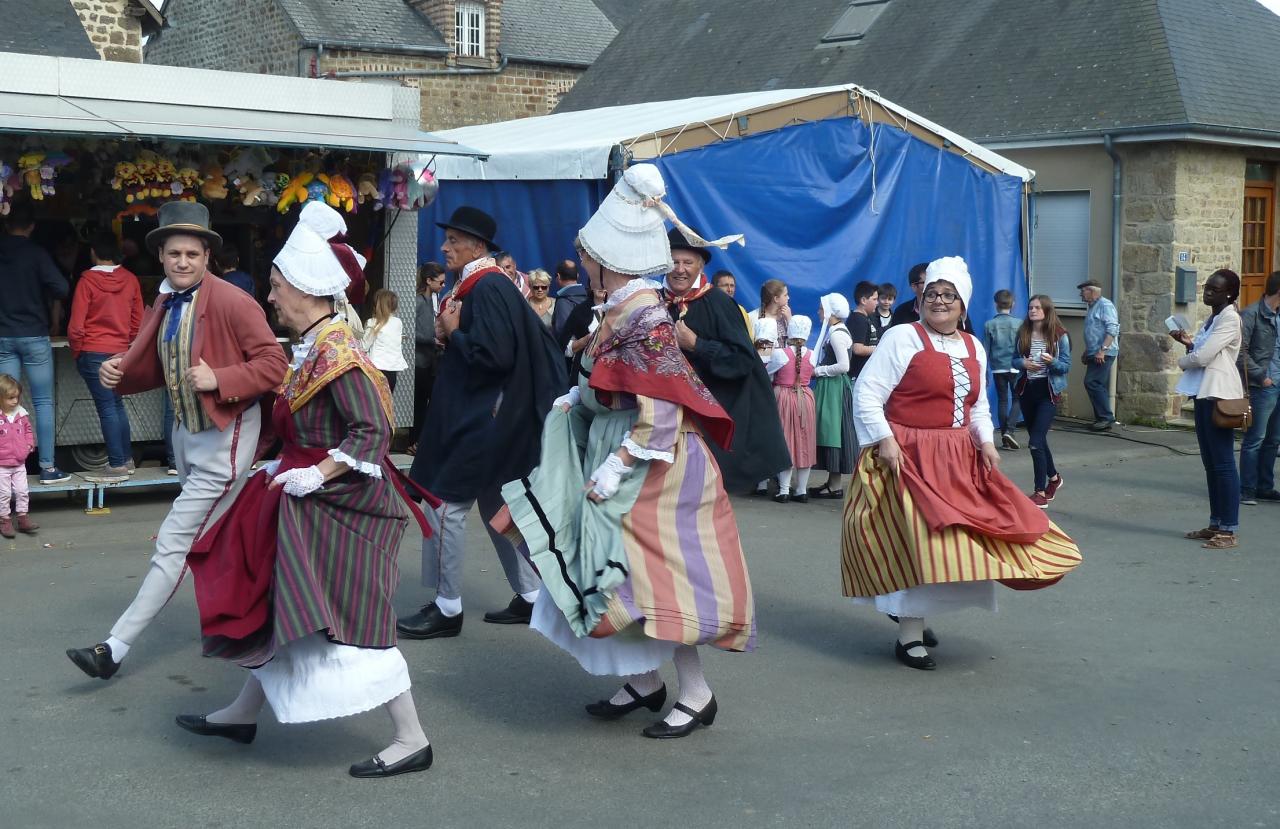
(993, 70)
(621, 12)
(43, 27)
(380, 25)
(566, 32)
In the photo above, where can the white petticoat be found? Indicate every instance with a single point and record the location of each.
(932, 599)
(623, 654)
(315, 679)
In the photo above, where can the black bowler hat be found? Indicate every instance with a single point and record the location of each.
(474, 222)
(678, 242)
(188, 218)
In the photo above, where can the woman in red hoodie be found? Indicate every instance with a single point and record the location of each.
(105, 315)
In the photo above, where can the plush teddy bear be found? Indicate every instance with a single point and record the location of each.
(29, 170)
(367, 190)
(166, 176)
(252, 192)
(215, 182)
(245, 165)
(186, 183)
(146, 178)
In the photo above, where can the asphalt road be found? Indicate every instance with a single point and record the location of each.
(1142, 691)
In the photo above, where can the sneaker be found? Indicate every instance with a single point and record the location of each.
(1007, 441)
(1051, 490)
(1101, 425)
(53, 475)
(1039, 500)
(6, 527)
(172, 471)
(1269, 495)
(131, 466)
(1249, 499)
(108, 475)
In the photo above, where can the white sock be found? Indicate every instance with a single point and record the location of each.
(784, 482)
(409, 736)
(119, 649)
(645, 684)
(244, 709)
(763, 486)
(531, 596)
(911, 629)
(695, 693)
(802, 480)
(449, 607)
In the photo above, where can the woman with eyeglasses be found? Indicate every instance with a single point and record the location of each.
(1042, 356)
(540, 299)
(1210, 372)
(930, 523)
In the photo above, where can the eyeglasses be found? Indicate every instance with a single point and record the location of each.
(540, 287)
(918, 282)
(945, 297)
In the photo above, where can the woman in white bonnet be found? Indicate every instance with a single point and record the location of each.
(930, 523)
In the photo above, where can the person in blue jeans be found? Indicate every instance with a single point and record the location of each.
(31, 282)
(1262, 365)
(1043, 356)
(1101, 345)
(999, 337)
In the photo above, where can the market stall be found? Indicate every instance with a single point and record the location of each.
(97, 145)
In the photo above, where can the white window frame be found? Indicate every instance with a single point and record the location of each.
(1060, 255)
(468, 30)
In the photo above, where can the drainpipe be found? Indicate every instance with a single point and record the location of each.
(1117, 202)
(419, 73)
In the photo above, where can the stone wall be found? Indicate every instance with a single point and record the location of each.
(232, 35)
(113, 31)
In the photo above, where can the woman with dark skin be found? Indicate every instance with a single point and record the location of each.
(1210, 374)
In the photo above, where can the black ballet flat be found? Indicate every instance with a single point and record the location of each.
(374, 767)
(236, 732)
(605, 710)
(920, 663)
(829, 493)
(800, 499)
(930, 641)
(661, 731)
(781, 498)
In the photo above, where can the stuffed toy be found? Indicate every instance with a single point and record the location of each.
(146, 178)
(295, 191)
(252, 193)
(246, 164)
(185, 184)
(423, 189)
(317, 190)
(7, 188)
(215, 182)
(367, 190)
(342, 194)
(396, 193)
(166, 176)
(135, 211)
(29, 170)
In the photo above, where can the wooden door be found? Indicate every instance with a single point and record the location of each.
(1259, 233)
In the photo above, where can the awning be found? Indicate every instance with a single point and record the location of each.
(578, 145)
(67, 96)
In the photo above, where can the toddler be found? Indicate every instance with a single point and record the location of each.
(16, 442)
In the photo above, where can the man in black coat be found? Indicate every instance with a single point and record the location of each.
(709, 330)
(495, 382)
(570, 293)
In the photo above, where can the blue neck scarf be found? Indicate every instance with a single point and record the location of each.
(176, 300)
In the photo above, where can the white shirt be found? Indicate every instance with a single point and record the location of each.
(842, 344)
(886, 368)
(385, 348)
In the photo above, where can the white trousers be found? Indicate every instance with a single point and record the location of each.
(212, 467)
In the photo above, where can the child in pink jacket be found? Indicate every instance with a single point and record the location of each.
(16, 442)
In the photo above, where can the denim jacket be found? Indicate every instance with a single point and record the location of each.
(999, 337)
(1057, 369)
(1259, 345)
(1101, 320)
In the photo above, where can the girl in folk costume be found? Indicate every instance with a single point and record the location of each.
(931, 524)
(796, 410)
(646, 565)
(1042, 356)
(833, 396)
(295, 582)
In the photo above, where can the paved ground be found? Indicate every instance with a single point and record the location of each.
(1140, 692)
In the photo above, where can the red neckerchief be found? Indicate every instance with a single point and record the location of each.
(678, 305)
(464, 287)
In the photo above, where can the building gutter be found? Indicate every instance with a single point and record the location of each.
(1117, 204)
(1203, 133)
(419, 73)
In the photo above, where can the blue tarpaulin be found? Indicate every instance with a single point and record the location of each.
(820, 211)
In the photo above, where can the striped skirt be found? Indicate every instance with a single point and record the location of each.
(887, 545)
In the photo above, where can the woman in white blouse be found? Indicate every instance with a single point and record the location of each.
(833, 397)
(383, 334)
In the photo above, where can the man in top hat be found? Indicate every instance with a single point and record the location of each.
(207, 343)
(709, 330)
(495, 383)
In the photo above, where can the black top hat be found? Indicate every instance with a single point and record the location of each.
(679, 242)
(474, 222)
(190, 218)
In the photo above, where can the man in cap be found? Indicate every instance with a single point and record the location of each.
(710, 331)
(208, 344)
(1101, 345)
(495, 382)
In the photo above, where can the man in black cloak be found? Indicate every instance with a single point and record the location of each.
(710, 332)
(496, 379)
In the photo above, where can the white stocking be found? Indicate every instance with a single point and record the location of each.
(802, 480)
(911, 629)
(695, 693)
(784, 482)
(244, 709)
(645, 684)
(409, 736)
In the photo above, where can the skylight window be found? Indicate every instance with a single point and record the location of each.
(855, 20)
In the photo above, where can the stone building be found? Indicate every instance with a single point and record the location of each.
(1153, 127)
(475, 61)
(105, 29)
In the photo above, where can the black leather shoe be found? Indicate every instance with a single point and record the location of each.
(374, 767)
(518, 612)
(921, 663)
(429, 623)
(95, 661)
(662, 731)
(781, 498)
(930, 641)
(832, 494)
(236, 732)
(606, 710)
(800, 499)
